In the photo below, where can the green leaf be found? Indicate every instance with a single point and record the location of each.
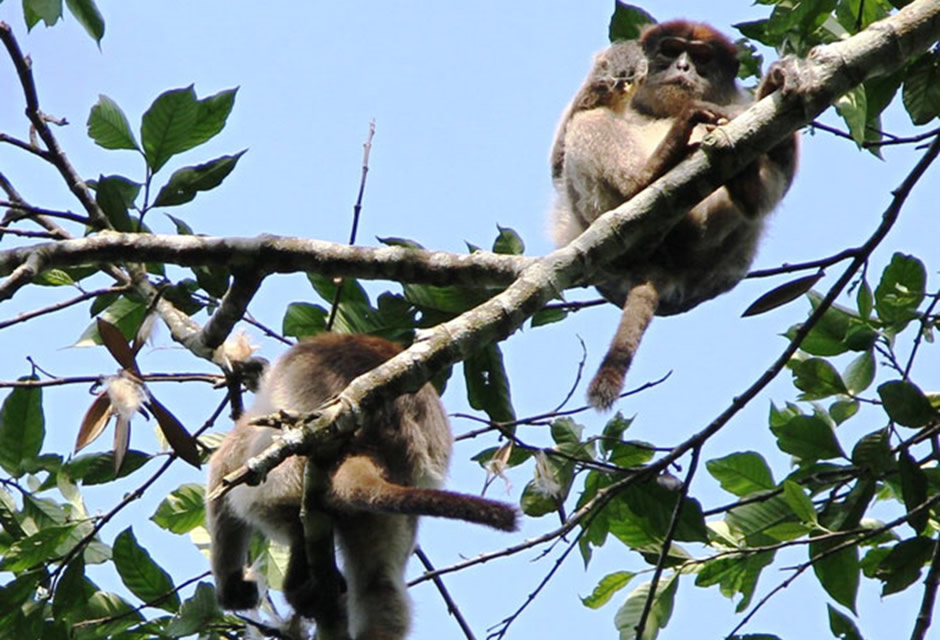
(613, 431)
(742, 473)
(914, 489)
(548, 316)
(167, 126)
(860, 373)
(113, 608)
(126, 314)
(49, 11)
(508, 242)
(211, 114)
(88, 16)
(865, 300)
(837, 572)
(809, 438)
(185, 183)
(922, 88)
(141, 575)
(606, 588)
(196, 614)
(98, 468)
(303, 319)
(817, 378)
(734, 575)
(906, 404)
(842, 410)
(841, 625)
(108, 126)
(183, 510)
(903, 565)
(22, 428)
(900, 290)
(488, 384)
(753, 520)
(780, 295)
(853, 107)
(627, 21)
(800, 503)
(652, 506)
(115, 195)
(39, 548)
(874, 451)
(629, 614)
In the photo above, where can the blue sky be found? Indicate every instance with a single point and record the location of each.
(465, 98)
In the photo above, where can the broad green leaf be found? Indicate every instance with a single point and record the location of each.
(108, 126)
(800, 503)
(735, 575)
(841, 625)
(613, 431)
(842, 410)
(141, 575)
(742, 473)
(508, 242)
(922, 88)
(652, 506)
(49, 11)
(98, 468)
(900, 290)
(906, 404)
(817, 378)
(853, 107)
(606, 588)
(115, 195)
(22, 428)
(39, 548)
(185, 183)
(183, 510)
(860, 373)
(566, 430)
(631, 453)
(304, 319)
(488, 384)
(548, 316)
(755, 519)
(118, 613)
(914, 489)
(903, 565)
(196, 614)
(211, 114)
(865, 300)
(627, 21)
(874, 451)
(809, 438)
(629, 614)
(167, 126)
(837, 572)
(88, 16)
(126, 314)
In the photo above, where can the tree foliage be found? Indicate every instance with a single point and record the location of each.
(850, 364)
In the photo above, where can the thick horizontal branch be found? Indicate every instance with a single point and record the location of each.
(276, 254)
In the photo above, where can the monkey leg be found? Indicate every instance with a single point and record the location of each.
(638, 310)
(376, 548)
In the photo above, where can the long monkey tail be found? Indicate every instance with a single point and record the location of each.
(638, 310)
(359, 484)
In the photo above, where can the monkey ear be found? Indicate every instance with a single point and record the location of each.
(779, 296)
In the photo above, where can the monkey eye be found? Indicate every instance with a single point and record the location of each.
(700, 52)
(672, 47)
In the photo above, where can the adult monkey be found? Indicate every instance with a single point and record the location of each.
(682, 82)
(385, 476)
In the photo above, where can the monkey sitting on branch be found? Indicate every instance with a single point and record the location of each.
(644, 105)
(386, 475)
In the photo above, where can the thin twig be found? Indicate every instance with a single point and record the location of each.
(925, 614)
(357, 211)
(452, 608)
(58, 306)
(667, 543)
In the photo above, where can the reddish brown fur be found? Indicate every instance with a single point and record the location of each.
(694, 31)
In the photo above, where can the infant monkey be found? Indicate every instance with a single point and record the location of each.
(387, 475)
(644, 105)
